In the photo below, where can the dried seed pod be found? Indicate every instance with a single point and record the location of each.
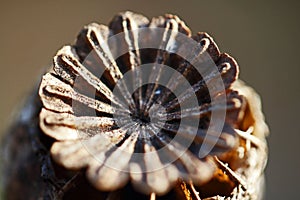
(141, 108)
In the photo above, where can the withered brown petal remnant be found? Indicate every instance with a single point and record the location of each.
(101, 137)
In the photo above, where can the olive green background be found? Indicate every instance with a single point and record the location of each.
(263, 36)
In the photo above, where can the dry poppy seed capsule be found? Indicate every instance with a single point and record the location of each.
(142, 108)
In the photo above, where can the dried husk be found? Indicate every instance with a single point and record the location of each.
(28, 169)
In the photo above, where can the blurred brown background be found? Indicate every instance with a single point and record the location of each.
(263, 36)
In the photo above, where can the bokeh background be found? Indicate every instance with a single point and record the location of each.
(263, 36)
